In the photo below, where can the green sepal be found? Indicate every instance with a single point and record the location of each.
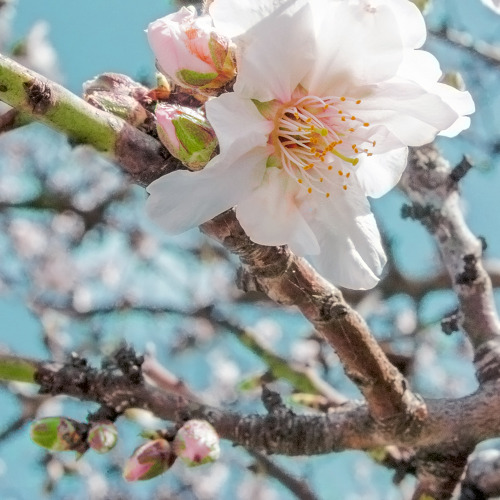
(194, 78)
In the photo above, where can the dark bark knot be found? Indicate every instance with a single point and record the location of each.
(470, 273)
(39, 96)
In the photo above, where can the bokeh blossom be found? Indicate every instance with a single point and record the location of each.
(329, 95)
(493, 5)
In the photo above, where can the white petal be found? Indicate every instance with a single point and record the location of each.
(234, 18)
(237, 123)
(354, 45)
(420, 67)
(411, 113)
(269, 215)
(182, 200)
(351, 251)
(494, 5)
(379, 173)
(274, 56)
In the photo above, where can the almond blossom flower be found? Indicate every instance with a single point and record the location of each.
(328, 96)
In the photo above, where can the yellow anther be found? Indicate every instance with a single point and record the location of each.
(353, 117)
(358, 101)
(317, 155)
(326, 106)
(329, 167)
(313, 150)
(351, 130)
(327, 195)
(299, 181)
(340, 172)
(342, 98)
(344, 187)
(309, 120)
(374, 143)
(343, 118)
(356, 150)
(321, 179)
(297, 117)
(309, 190)
(309, 166)
(369, 154)
(366, 124)
(348, 174)
(340, 111)
(353, 146)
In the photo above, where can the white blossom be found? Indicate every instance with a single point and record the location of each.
(328, 96)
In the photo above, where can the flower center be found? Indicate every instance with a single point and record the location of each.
(318, 140)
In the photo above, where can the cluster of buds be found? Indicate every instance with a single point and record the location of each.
(66, 434)
(195, 443)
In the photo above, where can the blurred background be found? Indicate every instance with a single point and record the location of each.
(82, 269)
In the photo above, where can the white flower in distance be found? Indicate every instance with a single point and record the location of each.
(493, 4)
(328, 96)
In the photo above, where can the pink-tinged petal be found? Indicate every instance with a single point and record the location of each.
(237, 123)
(275, 55)
(410, 112)
(269, 215)
(354, 46)
(168, 40)
(182, 200)
(351, 251)
(380, 173)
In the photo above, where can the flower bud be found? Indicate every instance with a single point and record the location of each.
(102, 437)
(149, 460)
(190, 51)
(186, 134)
(56, 434)
(197, 443)
(119, 95)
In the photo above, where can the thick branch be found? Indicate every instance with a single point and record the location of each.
(451, 424)
(431, 186)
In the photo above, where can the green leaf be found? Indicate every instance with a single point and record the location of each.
(17, 370)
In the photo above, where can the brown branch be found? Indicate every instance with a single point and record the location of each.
(299, 488)
(452, 424)
(430, 185)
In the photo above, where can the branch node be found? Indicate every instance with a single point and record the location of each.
(450, 323)
(39, 95)
(128, 362)
(416, 211)
(460, 171)
(273, 403)
(470, 272)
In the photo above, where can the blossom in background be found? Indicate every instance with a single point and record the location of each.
(190, 51)
(493, 5)
(328, 96)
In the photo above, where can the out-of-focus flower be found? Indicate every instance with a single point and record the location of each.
(190, 51)
(197, 443)
(314, 126)
(149, 460)
(186, 134)
(493, 5)
(56, 434)
(102, 437)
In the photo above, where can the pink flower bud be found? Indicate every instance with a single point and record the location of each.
(149, 460)
(190, 51)
(186, 134)
(197, 443)
(102, 437)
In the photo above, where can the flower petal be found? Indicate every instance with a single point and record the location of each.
(380, 173)
(181, 200)
(227, 113)
(351, 251)
(354, 45)
(414, 115)
(269, 215)
(268, 67)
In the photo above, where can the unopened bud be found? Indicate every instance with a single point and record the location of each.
(197, 443)
(102, 437)
(191, 52)
(119, 95)
(56, 434)
(186, 134)
(149, 460)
